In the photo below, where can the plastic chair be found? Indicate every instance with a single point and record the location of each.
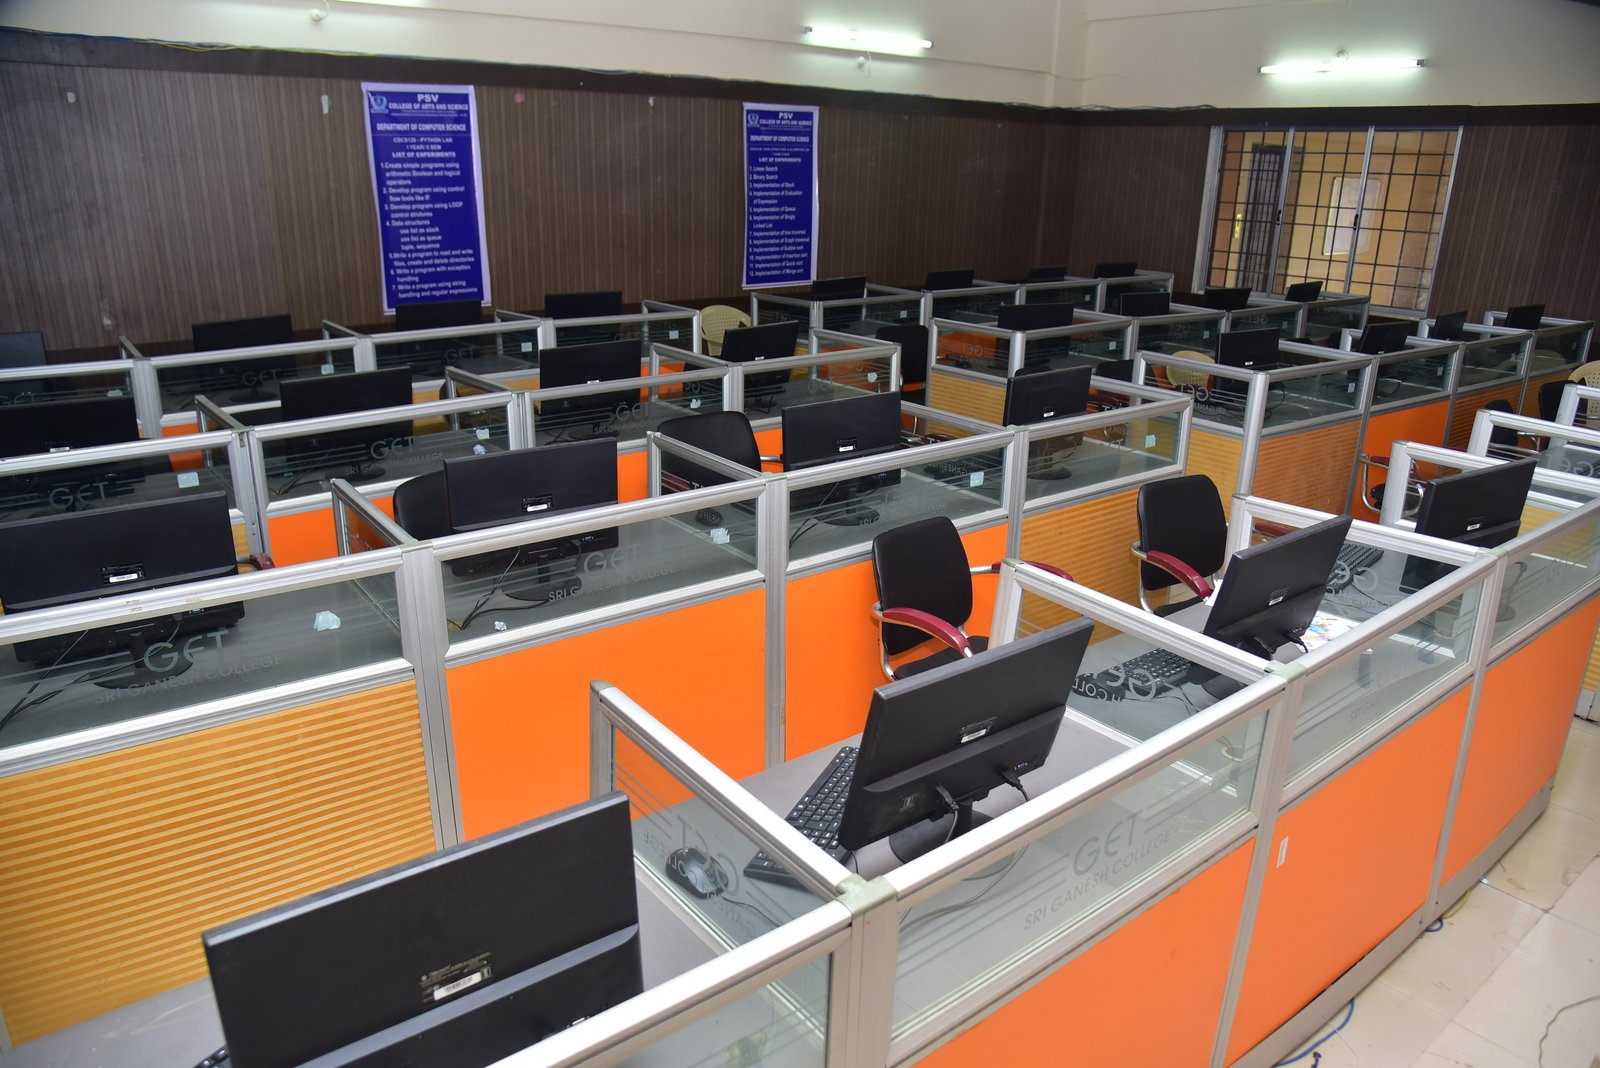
(716, 321)
(421, 507)
(923, 577)
(1182, 538)
(725, 434)
(913, 342)
(1184, 376)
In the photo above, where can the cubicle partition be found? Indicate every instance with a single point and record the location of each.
(1292, 433)
(1283, 316)
(73, 381)
(1183, 330)
(1559, 347)
(969, 363)
(1411, 395)
(882, 306)
(1325, 317)
(1095, 294)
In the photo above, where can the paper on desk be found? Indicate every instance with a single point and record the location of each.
(1324, 628)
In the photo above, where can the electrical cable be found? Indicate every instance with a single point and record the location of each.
(1309, 1051)
(1557, 1016)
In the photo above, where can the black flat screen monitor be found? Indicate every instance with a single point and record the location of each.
(1034, 316)
(253, 375)
(1139, 305)
(1379, 338)
(455, 960)
(1116, 269)
(1271, 591)
(354, 391)
(510, 487)
(957, 732)
(769, 341)
(1039, 396)
(22, 349)
(1226, 299)
(599, 304)
(59, 426)
(950, 278)
(1255, 350)
(437, 314)
(1449, 326)
(112, 552)
(849, 287)
(1303, 292)
(1481, 508)
(596, 414)
(1047, 274)
(1525, 317)
(830, 431)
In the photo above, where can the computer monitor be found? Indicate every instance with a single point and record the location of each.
(1116, 269)
(847, 287)
(827, 432)
(60, 426)
(437, 314)
(1481, 508)
(1038, 396)
(354, 391)
(1303, 292)
(1139, 305)
(1449, 326)
(1255, 350)
(1042, 316)
(597, 361)
(454, 960)
(81, 556)
(22, 349)
(942, 739)
(598, 304)
(1047, 274)
(1379, 338)
(1271, 591)
(769, 341)
(244, 334)
(1226, 298)
(510, 487)
(1525, 317)
(950, 278)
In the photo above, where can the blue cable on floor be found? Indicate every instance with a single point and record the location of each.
(1303, 1054)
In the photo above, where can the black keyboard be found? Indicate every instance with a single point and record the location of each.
(816, 815)
(1145, 676)
(1158, 665)
(1352, 558)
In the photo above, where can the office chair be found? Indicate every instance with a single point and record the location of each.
(922, 574)
(725, 434)
(716, 321)
(1182, 538)
(420, 506)
(913, 342)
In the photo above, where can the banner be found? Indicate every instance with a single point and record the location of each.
(422, 141)
(780, 195)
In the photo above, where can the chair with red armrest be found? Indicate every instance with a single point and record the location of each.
(1183, 535)
(925, 592)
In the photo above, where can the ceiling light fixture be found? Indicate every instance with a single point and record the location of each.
(865, 40)
(1342, 64)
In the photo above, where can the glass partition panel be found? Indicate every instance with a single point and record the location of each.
(244, 376)
(1079, 294)
(1412, 376)
(1071, 462)
(1285, 318)
(1347, 697)
(1493, 360)
(1559, 348)
(784, 1023)
(986, 352)
(658, 327)
(1048, 349)
(104, 477)
(504, 349)
(531, 578)
(827, 374)
(972, 930)
(1116, 288)
(59, 382)
(1173, 334)
(1552, 570)
(1221, 394)
(299, 463)
(135, 664)
(867, 317)
(1326, 318)
(600, 410)
(971, 305)
(1571, 457)
(1295, 400)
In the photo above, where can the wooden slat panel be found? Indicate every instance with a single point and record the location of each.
(1467, 409)
(1217, 456)
(1090, 541)
(1312, 469)
(968, 397)
(111, 866)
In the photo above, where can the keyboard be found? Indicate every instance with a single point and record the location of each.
(1352, 558)
(1145, 675)
(816, 815)
(1159, 665)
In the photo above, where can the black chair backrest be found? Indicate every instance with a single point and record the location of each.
(1181, 516)
(1550, 399)
(724, 434)
(921, 565)
(913, 342)
(420, 506)
(1501, 435)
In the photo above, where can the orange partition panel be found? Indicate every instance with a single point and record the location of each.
(1524, 713)
(1425, 423)
(633, 475)
(521, 720)
(1468, 406)
(1349, 863)
(1312, 468)
(301, 536)
(1148, 993)
(832, 645)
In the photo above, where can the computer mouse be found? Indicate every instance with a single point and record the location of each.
(696, 872)
(708, 517)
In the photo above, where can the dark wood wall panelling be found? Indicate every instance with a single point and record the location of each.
(183, 186)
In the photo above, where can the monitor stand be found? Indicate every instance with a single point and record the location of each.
(852, 511)
(543, 586)
(926, 835)
(140, 672)
(1052, 462)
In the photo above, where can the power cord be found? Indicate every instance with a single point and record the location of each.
(1310, 1051)
(1557, 1016)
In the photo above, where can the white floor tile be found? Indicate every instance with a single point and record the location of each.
(1387, 1029)
(1443, 970)
(1579, 771)
(1581, 903)
(1548, 858)
(1555, 964)
(1457, 1047)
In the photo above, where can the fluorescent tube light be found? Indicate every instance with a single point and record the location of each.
(864, 40)
(1342, 64)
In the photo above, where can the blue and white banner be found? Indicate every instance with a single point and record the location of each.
(780, 195)
(428, 183)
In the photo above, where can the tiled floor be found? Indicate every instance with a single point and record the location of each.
(1518, 963)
